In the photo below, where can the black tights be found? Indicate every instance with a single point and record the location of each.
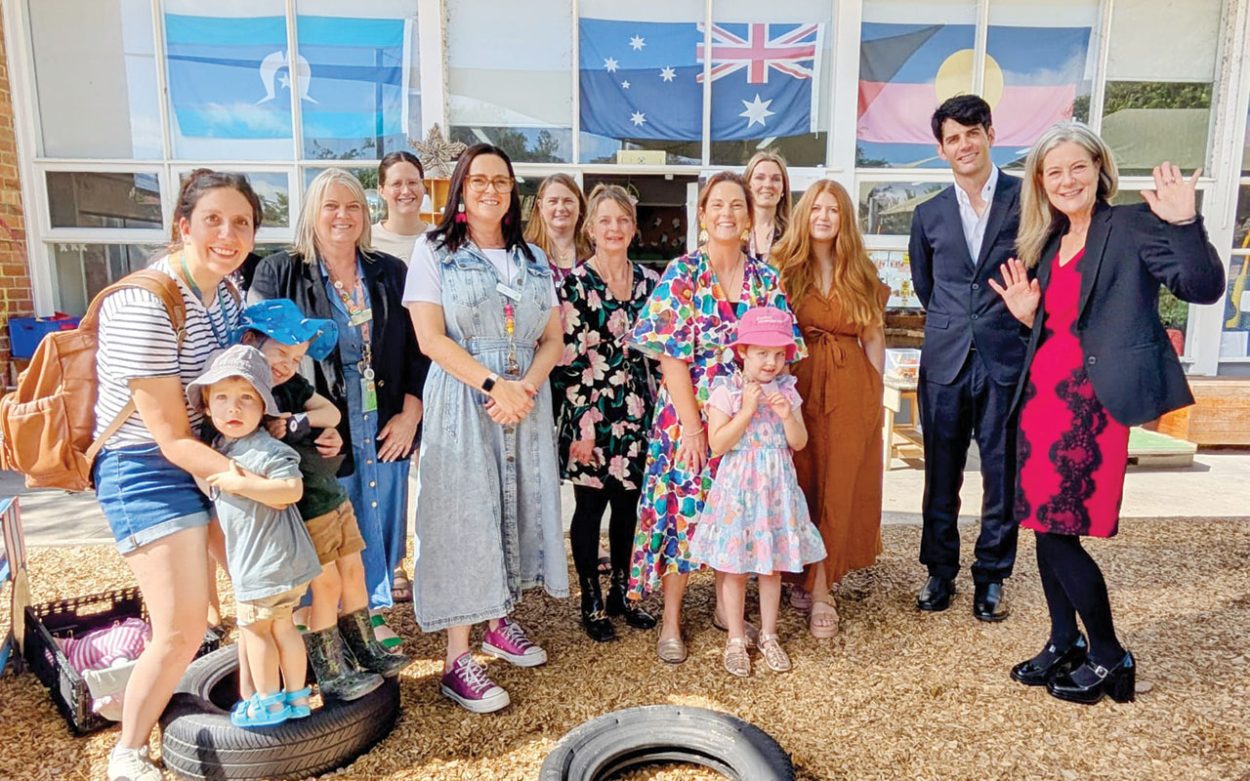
(1073, 584)
(588, 507)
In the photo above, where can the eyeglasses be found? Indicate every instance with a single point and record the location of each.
(501, 184)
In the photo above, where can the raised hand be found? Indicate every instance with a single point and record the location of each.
(1174, 198)
(751, 395)
(780, 404)
(1019, 293)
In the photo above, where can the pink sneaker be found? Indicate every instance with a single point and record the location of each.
(509, 642)
(466, 683)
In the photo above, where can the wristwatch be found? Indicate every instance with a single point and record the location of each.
(488, 384)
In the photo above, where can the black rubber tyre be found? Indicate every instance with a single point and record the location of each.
(603, 747)
(198, 741)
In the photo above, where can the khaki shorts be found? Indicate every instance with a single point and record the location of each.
(335, 534)
(278, 607)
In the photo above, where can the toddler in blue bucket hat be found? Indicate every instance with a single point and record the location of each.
(307, 422)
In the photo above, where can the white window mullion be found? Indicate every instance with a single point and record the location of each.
(707, 83)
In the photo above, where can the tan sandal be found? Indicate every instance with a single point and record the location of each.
(774, 655)
(800, 599)
(752, 631)
(671, 651)
(824, 619)
(737, 660)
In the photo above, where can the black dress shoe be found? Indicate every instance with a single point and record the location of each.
(1088, 683)
(989, 603)
(936, 594)
(1051, 662)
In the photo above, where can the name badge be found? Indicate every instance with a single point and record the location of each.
(360, 318)
(368, 395)
(509, 291)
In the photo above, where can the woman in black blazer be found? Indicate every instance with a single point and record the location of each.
(1098, 362)
(374, 375)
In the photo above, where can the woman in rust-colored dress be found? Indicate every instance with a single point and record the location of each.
(840, 303)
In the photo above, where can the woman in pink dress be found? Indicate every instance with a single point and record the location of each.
(1098, 362)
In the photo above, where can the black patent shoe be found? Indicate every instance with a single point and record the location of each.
(1088, 683)
(936, 594)
(989, 603)
(594, 617)
(619, 605)
(1051, 662)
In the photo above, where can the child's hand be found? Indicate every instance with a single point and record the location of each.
(751, 395)
(329, 443)
(780, 404)
(277, 427)
(232, 481)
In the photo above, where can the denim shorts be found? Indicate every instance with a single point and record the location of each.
(145, 497)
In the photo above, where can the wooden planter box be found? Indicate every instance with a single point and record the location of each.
(1221, 415)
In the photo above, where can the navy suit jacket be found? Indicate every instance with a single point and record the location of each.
(1129, 253)
(961, 309)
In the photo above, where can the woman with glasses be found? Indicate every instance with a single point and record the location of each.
(401, 183)
(374, 375)
(488, 515)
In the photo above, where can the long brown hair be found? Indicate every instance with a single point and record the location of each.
(781, 220)
(855, 280)
(536, 229)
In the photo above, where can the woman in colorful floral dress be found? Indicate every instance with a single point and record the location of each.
(608, 394)
(688, 324)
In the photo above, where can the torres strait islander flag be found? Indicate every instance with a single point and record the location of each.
(1032, 78)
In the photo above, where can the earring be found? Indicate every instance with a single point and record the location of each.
(460, 215)
(507, 219)
(702, 234)
(746, 236)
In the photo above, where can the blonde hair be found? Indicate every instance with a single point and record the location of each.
(536, 229)
(781, 220)
(855, 281)
(1038, 218)
(598, 196)
(306, 226)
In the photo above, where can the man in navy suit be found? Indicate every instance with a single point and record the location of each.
(972, 356)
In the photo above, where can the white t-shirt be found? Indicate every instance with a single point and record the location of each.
(137, 340)
(424, 284)
(392, 243)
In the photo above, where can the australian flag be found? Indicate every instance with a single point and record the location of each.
(644, 80)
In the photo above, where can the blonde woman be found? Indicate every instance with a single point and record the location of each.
(840, 303)
(769, 182)
(556, 224)
(376, 373)
(1098, 362)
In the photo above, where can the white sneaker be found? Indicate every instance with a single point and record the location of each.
(132, 764)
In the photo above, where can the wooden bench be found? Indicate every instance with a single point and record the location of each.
(1220, 416)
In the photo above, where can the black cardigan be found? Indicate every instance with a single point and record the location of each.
(399, 366)
(1129, 253)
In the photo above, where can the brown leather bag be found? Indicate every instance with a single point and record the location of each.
(46, 424)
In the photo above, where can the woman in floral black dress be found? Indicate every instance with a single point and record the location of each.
(607, 398)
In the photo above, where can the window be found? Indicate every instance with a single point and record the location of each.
(887, 207)
(641, 96)
(101, 102)
(509, 80)
(273, 188)
(1235, 336)
(772, 69)
(83, 270)
(364, 97)
(1160, 69)
(104, 200)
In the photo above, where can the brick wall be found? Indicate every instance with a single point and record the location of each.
(15, 293)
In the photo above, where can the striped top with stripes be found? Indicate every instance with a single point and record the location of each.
(137, 340)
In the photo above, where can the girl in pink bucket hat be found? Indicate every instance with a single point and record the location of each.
(755, 519)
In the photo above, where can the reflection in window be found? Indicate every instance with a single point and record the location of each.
(83, 270)
(771, 73)
(230, 80)
(641, 82)
(368, 178)
(1235, 340)
(363, 98)
(518, 99)
(94, 58)
(103, 200)
(887, 207)
(894, 269)
(274, 192)
(1146, 123)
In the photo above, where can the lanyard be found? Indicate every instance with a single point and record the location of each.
(359, 316)
(220, 335)
(509, 293)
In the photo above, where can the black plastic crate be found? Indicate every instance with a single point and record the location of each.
(68, 617)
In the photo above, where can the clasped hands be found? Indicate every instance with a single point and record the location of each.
(510, 401)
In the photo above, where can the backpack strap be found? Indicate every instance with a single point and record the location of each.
(165, 288)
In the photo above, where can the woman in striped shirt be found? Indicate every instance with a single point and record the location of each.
(144, 475)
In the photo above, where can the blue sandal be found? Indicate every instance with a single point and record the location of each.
(299, 711)
(256, 713)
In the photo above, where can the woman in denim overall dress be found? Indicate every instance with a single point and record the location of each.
(488, 509)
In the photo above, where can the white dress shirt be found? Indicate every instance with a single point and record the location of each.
(974, 225)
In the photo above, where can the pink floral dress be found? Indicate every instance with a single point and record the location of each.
(755, 518)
